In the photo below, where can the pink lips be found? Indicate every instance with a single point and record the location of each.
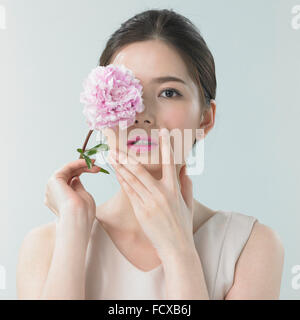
(146, 139)
(141, 147)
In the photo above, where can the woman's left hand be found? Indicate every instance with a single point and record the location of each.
(163, 208)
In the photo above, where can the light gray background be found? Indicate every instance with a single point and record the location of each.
(251, 156)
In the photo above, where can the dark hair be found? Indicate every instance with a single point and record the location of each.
(176, 30)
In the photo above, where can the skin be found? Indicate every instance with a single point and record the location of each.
(143, 216)
(171, 113)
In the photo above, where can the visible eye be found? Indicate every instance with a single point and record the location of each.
(170, 90)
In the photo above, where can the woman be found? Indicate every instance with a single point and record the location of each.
(152, 240)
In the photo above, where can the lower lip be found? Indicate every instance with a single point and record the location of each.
(141, 148)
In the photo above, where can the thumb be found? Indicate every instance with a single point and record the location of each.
(76, 184)
(186, 187)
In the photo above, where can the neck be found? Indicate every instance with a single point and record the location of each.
(118, 213)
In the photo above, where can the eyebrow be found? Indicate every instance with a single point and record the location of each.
(167, 79)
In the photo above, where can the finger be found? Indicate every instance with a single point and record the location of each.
(137, 169)
(77, 185)
(132, 195)
(186, 187)
(61, 188)
(71, 169)
(131, 180)
(167, 155)
(78, 172)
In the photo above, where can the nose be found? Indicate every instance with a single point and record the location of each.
(144, 118)
(139, 121)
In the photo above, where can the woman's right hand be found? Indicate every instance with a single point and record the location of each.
(65, 194)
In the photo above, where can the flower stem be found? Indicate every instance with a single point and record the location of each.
(85, 143)
(86, 157)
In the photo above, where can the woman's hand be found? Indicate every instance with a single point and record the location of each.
(65, 193)
(163, 208)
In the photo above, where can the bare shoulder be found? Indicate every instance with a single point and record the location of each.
(263, 242)
(34, 260)
(259, 268)
(263, 233)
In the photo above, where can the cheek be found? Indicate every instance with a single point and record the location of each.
(180, 118)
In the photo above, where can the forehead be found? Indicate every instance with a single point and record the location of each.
(150, 59)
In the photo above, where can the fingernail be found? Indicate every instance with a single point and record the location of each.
(163, 131)
(75, 180)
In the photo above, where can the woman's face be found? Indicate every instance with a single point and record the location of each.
(168, 104)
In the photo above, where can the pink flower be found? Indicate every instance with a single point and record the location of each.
(111, 94)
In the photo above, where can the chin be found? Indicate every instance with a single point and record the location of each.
(154, 169)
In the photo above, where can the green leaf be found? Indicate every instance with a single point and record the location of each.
(96, 146)
(101, 146)
(88, 161)
(91, 152)
(104, 147)
(105, 171)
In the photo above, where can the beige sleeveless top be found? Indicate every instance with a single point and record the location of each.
(219, 242)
